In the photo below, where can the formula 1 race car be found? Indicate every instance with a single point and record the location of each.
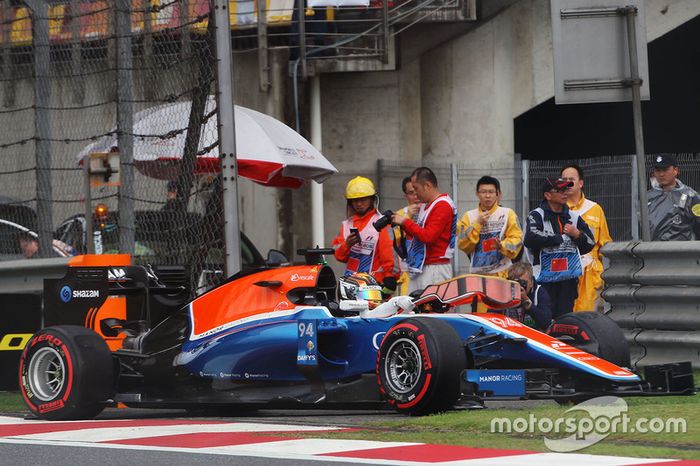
(277, 337)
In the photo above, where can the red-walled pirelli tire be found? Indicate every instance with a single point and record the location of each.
(66, 372)
(419, 364)
(594, 333)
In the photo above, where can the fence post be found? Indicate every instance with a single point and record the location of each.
(125, 126)
(76, 54)
(525, 190)
(454, 181)
(9, 84)
(517, 185)
(227, 135)
(263, 52)
(42, 101)
(301, 6)
(317, 221)
(634, 212)
(380, 179)
(631, 13)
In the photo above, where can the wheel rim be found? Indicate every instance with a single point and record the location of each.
(47, 374)
(403, 365)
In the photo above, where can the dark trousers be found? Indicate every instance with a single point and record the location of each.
(563, 294)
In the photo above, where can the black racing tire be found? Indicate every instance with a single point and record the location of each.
(419, 364)
(65, 373)
(593, 333)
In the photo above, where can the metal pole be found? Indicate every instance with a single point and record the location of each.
(42, 122)
(89, 228)
(631, 12)
(381, 187)
(263, 58)
(301, 5)
(227, 136)
(76, 54)
(125, 126)
(387, 35)
(634, 214)
(317, 233)
(9, 85)
(186, 47)
(454, 181)
(525, 187)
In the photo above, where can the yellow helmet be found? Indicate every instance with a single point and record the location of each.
(359, 187)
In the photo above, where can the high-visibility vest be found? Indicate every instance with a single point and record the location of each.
(362, 254)
(486, 258)
(561, 262)
(416, 253)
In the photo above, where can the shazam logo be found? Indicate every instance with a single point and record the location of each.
(66, 294)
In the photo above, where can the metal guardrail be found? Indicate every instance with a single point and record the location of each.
(653, 289)
(27, 276)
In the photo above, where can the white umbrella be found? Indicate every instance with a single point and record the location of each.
(268, 151)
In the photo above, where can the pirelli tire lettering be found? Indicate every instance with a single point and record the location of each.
(14, 341)
(593, 333)
(66, 372)
(419, 364)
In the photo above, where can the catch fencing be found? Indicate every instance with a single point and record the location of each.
(654, 292)
(611, 181)
(459, 181)
(127, 76)
(134, 77)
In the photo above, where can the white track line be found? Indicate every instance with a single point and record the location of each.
(301, 449)
(105, 434)
(311, 446)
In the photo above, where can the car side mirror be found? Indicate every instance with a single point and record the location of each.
(276, 257)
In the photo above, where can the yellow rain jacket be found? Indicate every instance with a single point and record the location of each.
(473, 238)
(590, 284)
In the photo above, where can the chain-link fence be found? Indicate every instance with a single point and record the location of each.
(610, 181)
(135, 77)
(458, 180)
(129, 76)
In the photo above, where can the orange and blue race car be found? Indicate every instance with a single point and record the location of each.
(275, 336)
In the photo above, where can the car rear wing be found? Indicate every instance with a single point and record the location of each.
(97, 289)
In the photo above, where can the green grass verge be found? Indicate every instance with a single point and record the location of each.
(474, 428)
(11, 402)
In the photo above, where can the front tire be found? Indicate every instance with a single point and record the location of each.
(593, 333)
(419, 364)
(66, 372)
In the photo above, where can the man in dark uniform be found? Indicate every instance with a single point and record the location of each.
(674, 208)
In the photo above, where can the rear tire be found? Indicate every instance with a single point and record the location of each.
(419, 364)
(594, 333)
(66, 372)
